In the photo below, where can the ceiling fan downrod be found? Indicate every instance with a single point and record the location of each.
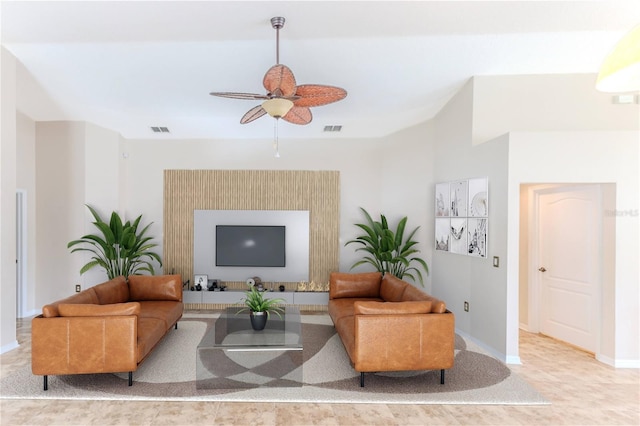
(277, 23)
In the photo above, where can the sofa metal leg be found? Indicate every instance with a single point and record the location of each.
(46, 382)
(362, 379)
(442, 377)
(130, 378)
(176, 326)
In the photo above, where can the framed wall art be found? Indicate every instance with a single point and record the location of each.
(462, 216)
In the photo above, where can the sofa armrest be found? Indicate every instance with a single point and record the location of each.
(76, 345)
(404, 342)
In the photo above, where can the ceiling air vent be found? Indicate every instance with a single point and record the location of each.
(332, 128)
(160, 129)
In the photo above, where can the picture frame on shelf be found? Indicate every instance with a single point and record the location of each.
(200, 282)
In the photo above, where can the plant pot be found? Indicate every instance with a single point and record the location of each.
(258, 320)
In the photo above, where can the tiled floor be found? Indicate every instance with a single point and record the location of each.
(582, 391)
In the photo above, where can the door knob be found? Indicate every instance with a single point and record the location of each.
(542, 269)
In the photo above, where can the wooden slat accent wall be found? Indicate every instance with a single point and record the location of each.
(189, 190)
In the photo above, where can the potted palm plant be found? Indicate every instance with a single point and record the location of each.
(388, 250)
(120, 249)
(260, 308)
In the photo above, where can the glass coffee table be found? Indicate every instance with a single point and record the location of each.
(232, 355)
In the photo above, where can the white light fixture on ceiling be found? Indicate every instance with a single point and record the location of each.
(620, 71)
(277, 107)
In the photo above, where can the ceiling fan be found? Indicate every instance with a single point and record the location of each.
(285, 99)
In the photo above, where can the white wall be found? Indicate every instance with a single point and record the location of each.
(359, 163)
(102, 186)
(565, 102)
(26, 181)
(60, 196)
(8, 200)
(77, 164)
(458, 278)
(407, 186)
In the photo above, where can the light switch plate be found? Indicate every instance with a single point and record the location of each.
(496, 262)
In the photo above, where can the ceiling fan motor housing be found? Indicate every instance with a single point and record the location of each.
(277, 22)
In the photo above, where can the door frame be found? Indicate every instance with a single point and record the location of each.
(21, 253)
(534, 286)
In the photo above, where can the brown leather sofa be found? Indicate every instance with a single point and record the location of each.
(387, 324)
(109, 328)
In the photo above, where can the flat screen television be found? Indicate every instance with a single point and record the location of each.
(250, 245)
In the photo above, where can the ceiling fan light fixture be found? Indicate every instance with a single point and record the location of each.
(277, 107)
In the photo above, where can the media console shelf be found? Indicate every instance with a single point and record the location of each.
(233, 297)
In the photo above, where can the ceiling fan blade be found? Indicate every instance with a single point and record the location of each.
(279, 81)
(298, 115)
(253, 114)
(312, 95)
(239, 95)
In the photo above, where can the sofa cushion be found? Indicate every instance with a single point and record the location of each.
(93, 310)
(112, 291)
(391, 308)
(85, 296)
(167, 311)
(413, 293)
(392, 288)
(146, 287)
(365, 284)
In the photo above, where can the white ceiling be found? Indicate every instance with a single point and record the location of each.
(131, 65)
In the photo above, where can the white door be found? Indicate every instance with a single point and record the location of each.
(569, 246)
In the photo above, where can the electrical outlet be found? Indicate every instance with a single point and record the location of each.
(78, 288)
(466, 306)
(496, 262)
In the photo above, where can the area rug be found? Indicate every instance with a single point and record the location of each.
(170, 371)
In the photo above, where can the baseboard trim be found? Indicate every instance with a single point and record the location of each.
(31, 313)
(618, 363)
(9, 347)
(491, 351)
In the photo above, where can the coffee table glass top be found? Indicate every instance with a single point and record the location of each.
(233, 329)
(233, 355)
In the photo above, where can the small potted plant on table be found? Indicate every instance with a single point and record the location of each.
(260, 308)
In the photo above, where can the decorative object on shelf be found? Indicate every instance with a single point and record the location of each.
(389, 251)
(120, 250)
(284, 98)
(251, 282)
(200, 282)
(212, 285)
(326, 286)
(302, 286)
(281, 288)
(462, 216)
(259, 307)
